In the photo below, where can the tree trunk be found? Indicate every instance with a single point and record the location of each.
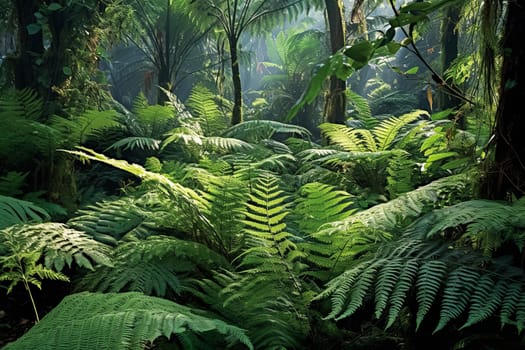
(507, 177)
(164, 82)
(335, 102)
(237, 88)
(28, 46)
(449, 52)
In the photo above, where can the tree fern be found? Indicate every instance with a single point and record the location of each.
(124, 321)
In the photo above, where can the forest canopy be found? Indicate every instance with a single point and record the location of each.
(225, 174)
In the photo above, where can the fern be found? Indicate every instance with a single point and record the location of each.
(123, 321)
(20, 265)
(226, 198)
(485, 224)
(136, 142)
(255, 130)
(204, 107)
(77, 129)
(15, 211)
(153, 266)
(438, 275)
(275, 317)
(319, 204)
(59, 245)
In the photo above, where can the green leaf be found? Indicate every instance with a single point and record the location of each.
(412, 70)
(360, 53)
(33, 28)
(67, 71)
(54, 6)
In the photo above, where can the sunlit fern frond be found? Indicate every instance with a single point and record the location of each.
(157, 265)
(364, 114)
(125, 321)
(204, 107)
(388, 130)
(343, 136)
(360, 232)
(318, 204)
(60, 245)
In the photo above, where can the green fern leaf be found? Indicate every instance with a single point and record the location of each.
(487, 298)
(459, 286)
(509, 303)
(15, 211)
(60, 245)
(404, 283)
(429, 281)
(386, 281)
(121, 321)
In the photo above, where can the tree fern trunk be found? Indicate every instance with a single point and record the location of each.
(237, 87)
(335, 103)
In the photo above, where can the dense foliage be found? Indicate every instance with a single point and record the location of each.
(175, 229)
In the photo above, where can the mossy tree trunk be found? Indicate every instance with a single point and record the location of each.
(335, 101)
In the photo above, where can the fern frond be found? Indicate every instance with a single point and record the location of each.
(122, 321)
(153, 266)
(136, 142)
(255, 130)
(21, 104)
(60, 245)
(15, 211)
(461, 283)
(77, 129)
(485, 224)
(319, 204)
(387, 131)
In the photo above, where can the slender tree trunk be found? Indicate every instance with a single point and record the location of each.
(335, 102)
(507, 177)
(165, 73)
(449, 52)
(164, 82)
(237, 88)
